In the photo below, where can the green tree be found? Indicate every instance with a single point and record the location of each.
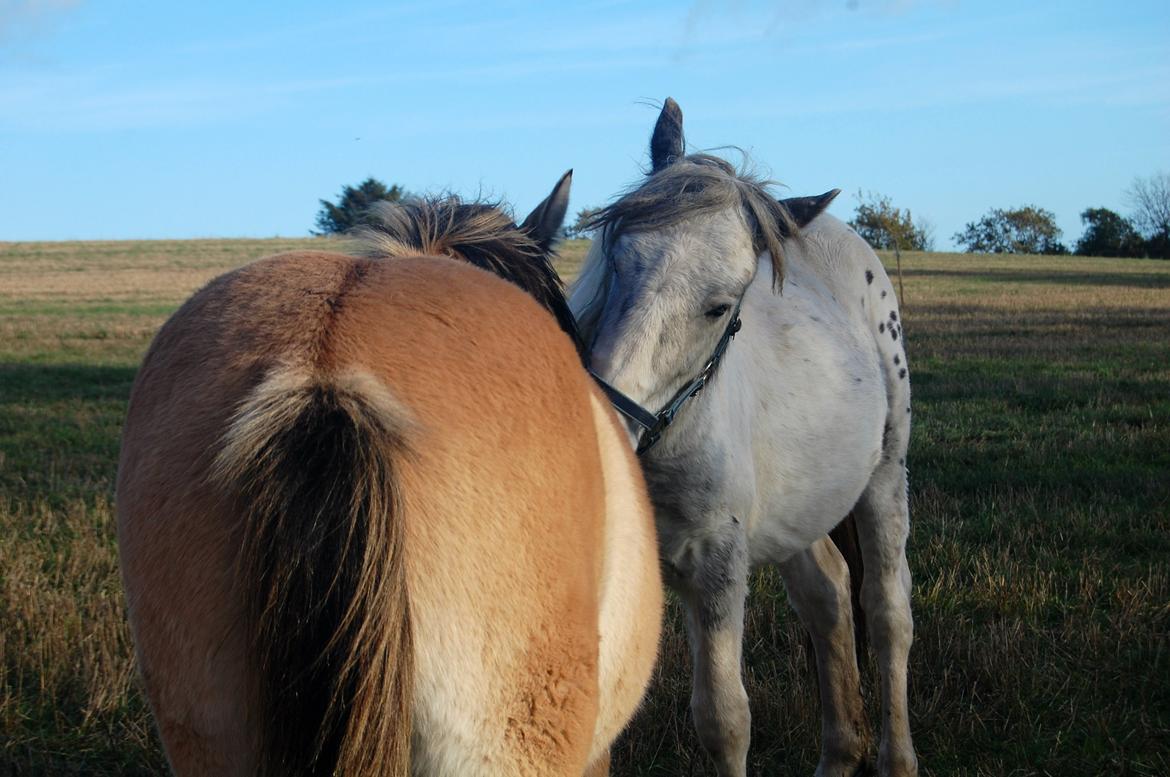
(1150, 199)
(886, 227)
(580, 226)
(352, 207)
(1024, 230)
(1109, 234)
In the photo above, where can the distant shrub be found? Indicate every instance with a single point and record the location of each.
(580, 226)
(887, 227)
(1109, 234)
(1025, 230)
(353, 205)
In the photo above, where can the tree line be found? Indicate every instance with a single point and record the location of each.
(1028, 229)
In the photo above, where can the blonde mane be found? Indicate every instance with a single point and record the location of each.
(479, 233)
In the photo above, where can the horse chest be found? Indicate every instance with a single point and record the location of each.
(782, 447)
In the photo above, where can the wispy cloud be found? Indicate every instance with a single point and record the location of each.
(21, 20)
(339, 24)
(101, 100)
(1140, 87)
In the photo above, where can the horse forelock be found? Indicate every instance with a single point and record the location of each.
(695, 185)
(479, 233)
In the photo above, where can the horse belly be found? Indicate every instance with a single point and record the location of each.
(818, 439)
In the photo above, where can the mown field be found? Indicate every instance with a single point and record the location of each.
(1040, 496)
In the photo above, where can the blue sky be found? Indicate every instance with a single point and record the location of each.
(172, 120)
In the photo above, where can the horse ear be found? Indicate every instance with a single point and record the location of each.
(544, 222)
(666, 144)
(805, 209)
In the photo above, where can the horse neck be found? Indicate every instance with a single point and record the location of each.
(709, 423)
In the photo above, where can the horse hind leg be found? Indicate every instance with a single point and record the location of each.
(817, 581)
(196, 679)
(883, 524)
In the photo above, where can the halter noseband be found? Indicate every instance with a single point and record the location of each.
(654, 424)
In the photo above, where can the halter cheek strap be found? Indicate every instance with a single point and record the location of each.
(654, 424)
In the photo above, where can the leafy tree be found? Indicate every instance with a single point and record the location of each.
(1150, 199)
(886, 227)
(580, 226)
(1109, 234)
(353, 205)
(1158, 246)
(1025, 230)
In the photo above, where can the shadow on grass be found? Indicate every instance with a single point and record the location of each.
(59, 430)
(1051, 277)
(24, 384)
(991, 315)
(1020, 389)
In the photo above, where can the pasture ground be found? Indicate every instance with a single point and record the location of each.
(1040, 500)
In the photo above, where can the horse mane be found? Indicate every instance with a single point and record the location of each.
(694, 185)
(479, 233)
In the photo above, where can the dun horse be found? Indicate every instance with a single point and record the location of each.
(374, 518)
(806, 420)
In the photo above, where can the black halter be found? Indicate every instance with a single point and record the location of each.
(654, 424)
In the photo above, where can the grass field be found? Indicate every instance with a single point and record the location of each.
(1040, 496)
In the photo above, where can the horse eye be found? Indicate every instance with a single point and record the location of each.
(717, 311)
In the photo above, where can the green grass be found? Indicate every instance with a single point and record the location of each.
(1040, 500)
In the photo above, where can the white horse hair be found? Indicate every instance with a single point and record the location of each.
(807, 421)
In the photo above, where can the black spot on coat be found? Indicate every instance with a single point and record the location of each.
(868, 276)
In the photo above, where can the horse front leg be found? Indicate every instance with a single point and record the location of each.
(713, 595)
(817, 581)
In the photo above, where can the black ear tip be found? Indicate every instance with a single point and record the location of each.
(666, 143)
(804, 209)
(568, 176)
(671, 111)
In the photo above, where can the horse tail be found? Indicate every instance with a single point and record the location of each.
(322, 574)
(844, 536)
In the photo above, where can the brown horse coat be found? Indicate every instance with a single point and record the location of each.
(374, 517)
